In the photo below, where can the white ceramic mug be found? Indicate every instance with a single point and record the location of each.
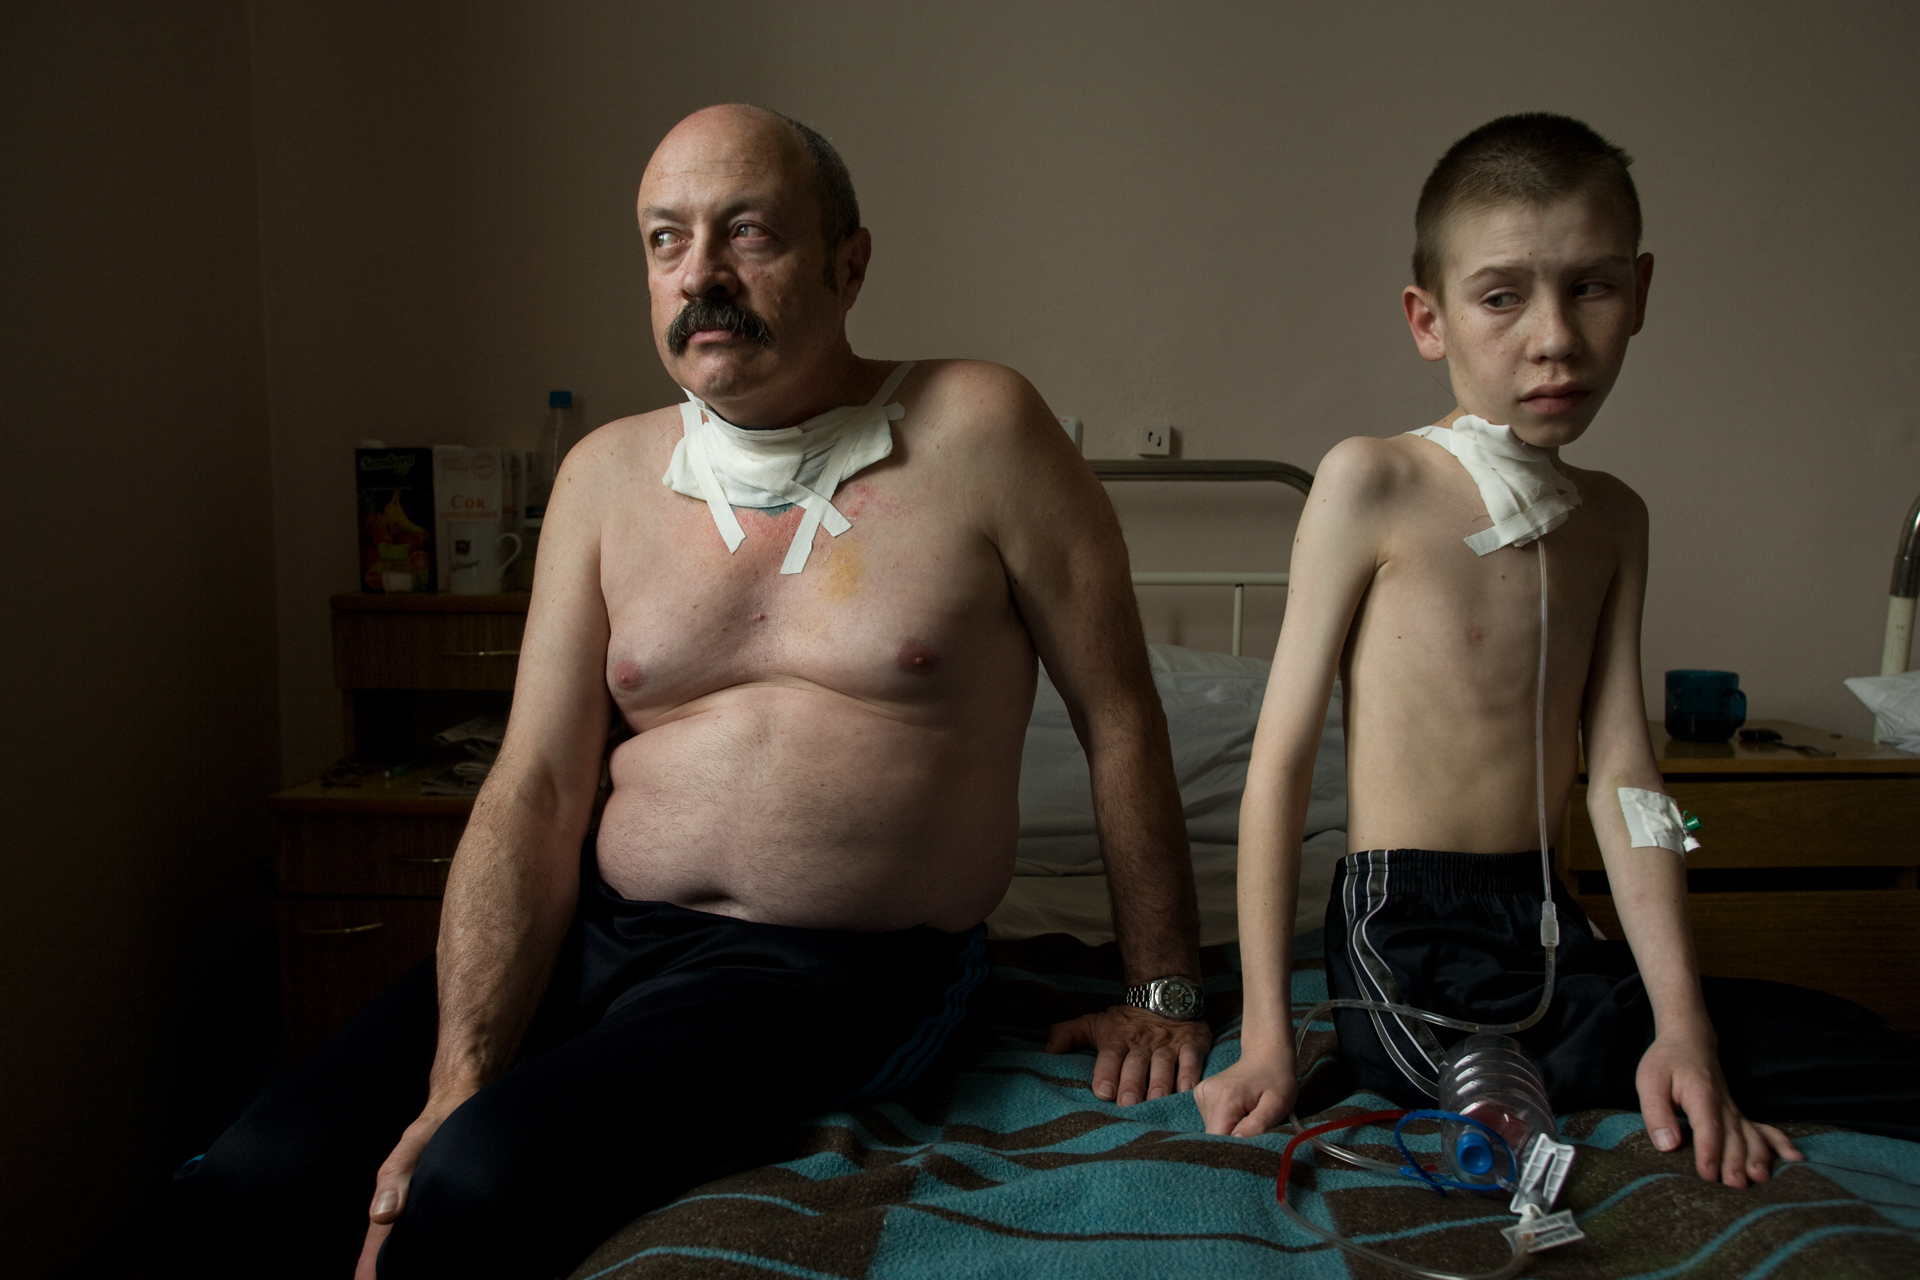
(474, 566)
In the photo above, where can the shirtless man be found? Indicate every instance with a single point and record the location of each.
(1427, 603)
(819, 803)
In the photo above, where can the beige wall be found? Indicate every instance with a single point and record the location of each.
(135, 940)
(1195, 214)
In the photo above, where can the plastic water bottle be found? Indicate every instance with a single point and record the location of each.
(559, 434)
(1490, 1078)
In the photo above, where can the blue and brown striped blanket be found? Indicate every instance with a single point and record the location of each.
(1001, 1163)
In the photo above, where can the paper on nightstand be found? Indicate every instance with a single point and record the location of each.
(1895, 703)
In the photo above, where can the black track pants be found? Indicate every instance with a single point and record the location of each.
(1459, 934)
(672, 1044)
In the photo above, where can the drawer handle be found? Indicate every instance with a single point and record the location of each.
(352, 928)
(424, 862)
(480, 653)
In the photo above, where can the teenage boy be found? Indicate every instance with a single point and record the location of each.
(1419, 568)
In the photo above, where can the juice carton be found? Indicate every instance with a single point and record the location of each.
(472, 495)
(396, 517)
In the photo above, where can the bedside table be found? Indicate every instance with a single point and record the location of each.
(360, 869)
(1807, 870)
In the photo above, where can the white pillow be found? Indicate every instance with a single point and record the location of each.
(1212, 701)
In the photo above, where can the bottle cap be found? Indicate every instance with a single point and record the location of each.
(559, 399)
(1473, 1153)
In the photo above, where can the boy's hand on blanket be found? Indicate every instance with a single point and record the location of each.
(1248, 1098)
(1140, 1055)
(1727, 1147)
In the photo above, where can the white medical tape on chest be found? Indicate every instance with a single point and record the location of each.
(1653, 820)
(1524, 495)
(727, 466)
(704, 480)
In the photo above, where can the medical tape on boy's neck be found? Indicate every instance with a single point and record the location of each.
(728, 466)
(1525, 496)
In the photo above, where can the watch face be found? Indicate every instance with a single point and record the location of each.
(1175, 998)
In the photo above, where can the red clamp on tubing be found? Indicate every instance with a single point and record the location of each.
(1344, 1122)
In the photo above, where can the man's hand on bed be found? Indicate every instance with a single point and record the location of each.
(1248, 1098)
(1138, 1055)
(396, 1172)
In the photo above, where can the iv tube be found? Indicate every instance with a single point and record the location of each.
(1549, 941)
(1511, 1268)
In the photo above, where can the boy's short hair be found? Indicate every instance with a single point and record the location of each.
(1534, 158)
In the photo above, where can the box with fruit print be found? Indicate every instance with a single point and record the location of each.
(396, 519)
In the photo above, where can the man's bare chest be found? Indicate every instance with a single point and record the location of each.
(898, 611)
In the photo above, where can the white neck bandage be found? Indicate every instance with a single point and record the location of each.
(727, 466)
(1525, 496)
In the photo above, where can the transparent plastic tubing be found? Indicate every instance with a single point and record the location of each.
(1549, 942)
(1513, 1264)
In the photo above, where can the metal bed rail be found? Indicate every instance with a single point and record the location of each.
(1201, 469)
(1238, 581)
(1209, 469)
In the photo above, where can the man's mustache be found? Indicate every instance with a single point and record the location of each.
(716, 313)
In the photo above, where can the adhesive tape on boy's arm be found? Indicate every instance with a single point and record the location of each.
(1653, 820)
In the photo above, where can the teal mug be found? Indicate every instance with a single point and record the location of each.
(1704, 706)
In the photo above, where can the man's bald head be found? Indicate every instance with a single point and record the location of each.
(745, 133)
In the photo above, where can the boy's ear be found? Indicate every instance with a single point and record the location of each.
(1642, 281)
(1429, 326)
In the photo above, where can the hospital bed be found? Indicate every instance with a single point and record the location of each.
(1001, 1163)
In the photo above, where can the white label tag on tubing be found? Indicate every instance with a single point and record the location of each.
(1546, 1230)
(1653, 820)
(1542, 1175)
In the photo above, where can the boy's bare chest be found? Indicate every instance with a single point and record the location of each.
(906, 608)
(1477, 618)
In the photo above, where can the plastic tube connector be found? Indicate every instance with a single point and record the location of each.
(1473, 1153)
(1549, 924)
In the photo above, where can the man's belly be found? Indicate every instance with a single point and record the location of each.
(804, 807)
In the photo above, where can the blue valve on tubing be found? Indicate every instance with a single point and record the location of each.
(1473, 1153)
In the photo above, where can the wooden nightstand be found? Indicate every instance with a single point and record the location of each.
(361, 867)
(1807, 871)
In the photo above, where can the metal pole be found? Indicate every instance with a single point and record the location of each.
(1239, 613)
(1906, 586)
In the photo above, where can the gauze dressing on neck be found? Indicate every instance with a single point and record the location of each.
(727, 466)
(1525, 496)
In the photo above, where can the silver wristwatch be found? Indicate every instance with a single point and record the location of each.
(1175, 998)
